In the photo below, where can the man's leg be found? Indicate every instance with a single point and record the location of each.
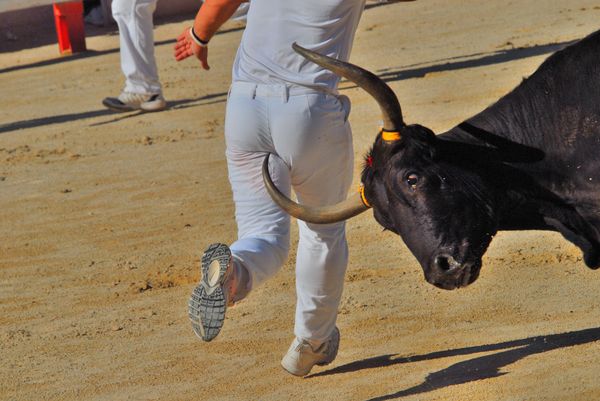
(321, 157)
(263, 228)
(142, 87)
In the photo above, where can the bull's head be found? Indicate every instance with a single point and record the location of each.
(443, 211)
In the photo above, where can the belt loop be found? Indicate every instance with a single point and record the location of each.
(285, 93)
(346, 105)
(254, 87)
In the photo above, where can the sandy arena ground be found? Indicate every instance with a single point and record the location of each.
(104, 217)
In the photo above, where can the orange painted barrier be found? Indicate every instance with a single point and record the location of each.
(68, 17)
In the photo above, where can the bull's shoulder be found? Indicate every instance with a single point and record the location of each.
(555, 110)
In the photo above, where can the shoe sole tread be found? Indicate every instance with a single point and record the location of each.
(207, 306)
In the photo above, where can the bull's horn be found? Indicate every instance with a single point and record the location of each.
(383, 94)
(320, 214)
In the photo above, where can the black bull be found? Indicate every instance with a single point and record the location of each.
(531, 161)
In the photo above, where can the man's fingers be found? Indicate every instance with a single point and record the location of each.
(182, 48)
(183, 52)
(183, 55)
(178, 52)
(180, 44)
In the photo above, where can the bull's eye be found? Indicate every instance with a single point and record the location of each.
(412, 180)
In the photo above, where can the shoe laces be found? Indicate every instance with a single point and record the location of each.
(130, 97)
(303, 344)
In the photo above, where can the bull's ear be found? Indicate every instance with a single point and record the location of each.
(420, 140)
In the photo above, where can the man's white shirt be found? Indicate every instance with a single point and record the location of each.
(265, 54)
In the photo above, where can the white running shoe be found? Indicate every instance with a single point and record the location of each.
(128, 101)
(208, 303)
(301, 357)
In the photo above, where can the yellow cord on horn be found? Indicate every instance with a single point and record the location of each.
(390, 136)
(361, 191)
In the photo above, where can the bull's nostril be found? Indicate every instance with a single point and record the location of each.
(442, 263)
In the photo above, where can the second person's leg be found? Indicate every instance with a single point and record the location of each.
(142, 87)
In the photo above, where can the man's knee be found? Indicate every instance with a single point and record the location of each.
(269, 250)
(325, 234)
(280, 252)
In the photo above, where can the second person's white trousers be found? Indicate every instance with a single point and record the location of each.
(136, 35)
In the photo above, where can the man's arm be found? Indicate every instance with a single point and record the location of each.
(209, 19)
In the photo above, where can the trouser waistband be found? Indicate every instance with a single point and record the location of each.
(275, 90)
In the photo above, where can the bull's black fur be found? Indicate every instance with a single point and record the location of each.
(531, 161)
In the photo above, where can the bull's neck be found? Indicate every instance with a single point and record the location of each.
(492, 131)
(519, 119)
(506, 153)
(528, 187)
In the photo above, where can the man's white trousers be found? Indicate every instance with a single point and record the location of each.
(310, 139)
(134, 18)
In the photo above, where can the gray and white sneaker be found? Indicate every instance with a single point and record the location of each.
(128, 101)
(208, 303)
(301, 357)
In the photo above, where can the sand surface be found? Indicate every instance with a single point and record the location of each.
(103, 219)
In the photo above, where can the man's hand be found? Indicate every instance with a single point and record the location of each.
(186, 47)
(210, 17)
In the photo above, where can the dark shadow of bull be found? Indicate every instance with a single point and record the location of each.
(478, 368)
(531, 161)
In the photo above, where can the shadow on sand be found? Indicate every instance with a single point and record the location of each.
(463, 62)
(479, 368)
(388, 75)
(44, 121)
(474, 60)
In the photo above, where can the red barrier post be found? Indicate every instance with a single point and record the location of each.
(68, 17)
